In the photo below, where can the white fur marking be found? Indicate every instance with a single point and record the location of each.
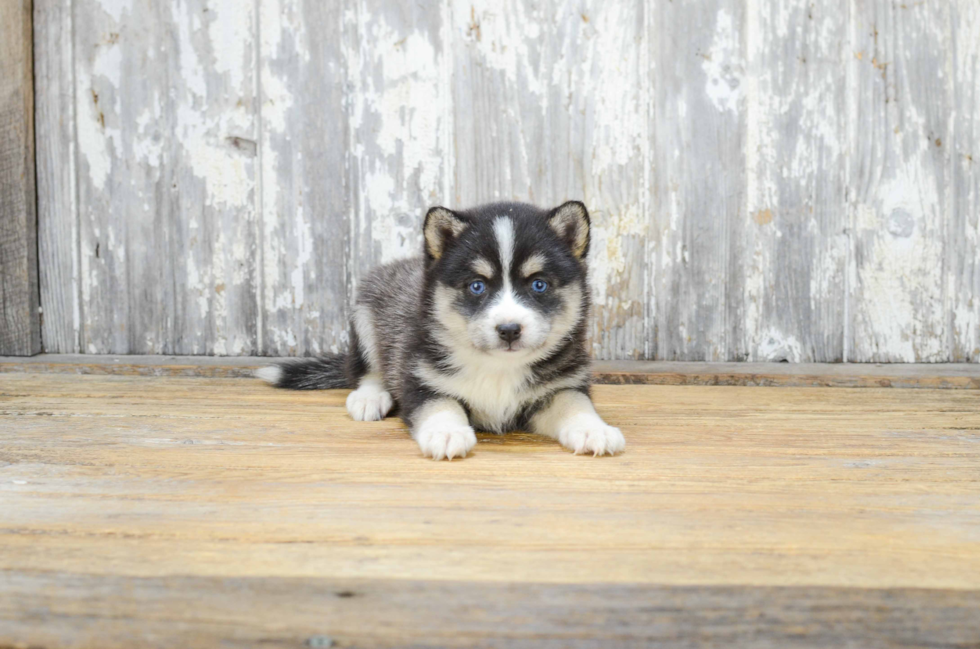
(506, 309)
(495, 391)
(270, 374)
(443, 431)
(572, 420)
(370, 401)
(503, 228)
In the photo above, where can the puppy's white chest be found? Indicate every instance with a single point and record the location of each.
(495, 396)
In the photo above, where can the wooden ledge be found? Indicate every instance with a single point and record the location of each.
(797, 375)
(847, 375)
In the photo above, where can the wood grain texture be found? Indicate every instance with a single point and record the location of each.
(165, 117)
(769, 180)
(303, 151)
(551, 103)
(898, 178)
(57, 223)
(20, 327)
(963, 240)
(839, 514)
(824, 375)
(699, 175)
(400, 126)
(112, 612)
(790, 243)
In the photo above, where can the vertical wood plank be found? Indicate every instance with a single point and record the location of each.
(699, 176)
(789, 246)
(897, 182)
(963, 241)
(215, 223)
(550, 104)
(303, 156)
(20, 328)
(102, 234)
(400, 126)
(166, 139)
(57, 220)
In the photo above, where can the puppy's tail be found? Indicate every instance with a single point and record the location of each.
(323, 373)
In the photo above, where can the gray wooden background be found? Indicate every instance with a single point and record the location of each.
(769, 179)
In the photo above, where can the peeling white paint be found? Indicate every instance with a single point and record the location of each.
(723, 66)
(97, 126)
(116, 9)
(569, 90)
(900, 208)
(609, 259)
(502, 31)
(284, 282)
(775, 346)
(191, 70)
(400, 107)
(899, 288)
(230, 35)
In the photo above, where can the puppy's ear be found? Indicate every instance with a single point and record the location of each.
(441, 228)
(571, 222)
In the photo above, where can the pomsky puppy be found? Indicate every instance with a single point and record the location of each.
(486, 331)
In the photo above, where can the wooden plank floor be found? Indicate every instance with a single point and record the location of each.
(165, 511)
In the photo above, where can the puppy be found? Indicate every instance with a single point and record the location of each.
(486, 331)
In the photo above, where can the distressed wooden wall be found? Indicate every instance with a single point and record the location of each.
(20, 330)
(769, 179)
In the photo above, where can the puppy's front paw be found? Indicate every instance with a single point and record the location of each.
(447, 442)
(592, 437)
(369, 403)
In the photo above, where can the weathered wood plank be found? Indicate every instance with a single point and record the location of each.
(789, 245)
(166, 130)
(152, 477)
(551, 103)
(57, 219)
(826, 375)
(84, 610)
(303, 151)
(20, 327)
(797, 375)
(400, 126)
(899, 118)
(699, 176)
(105, 180)
(214, 215)
(963, 240)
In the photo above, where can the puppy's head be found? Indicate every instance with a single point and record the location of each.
(507, 279)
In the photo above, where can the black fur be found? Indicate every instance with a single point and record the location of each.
(324, 373)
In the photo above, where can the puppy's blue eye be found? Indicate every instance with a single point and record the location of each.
(539, 286)
(477, 287)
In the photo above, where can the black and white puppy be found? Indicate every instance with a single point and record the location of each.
(486, 332)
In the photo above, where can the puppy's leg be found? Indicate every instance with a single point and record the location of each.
(442, 429)
(572, 420)
(370, 401)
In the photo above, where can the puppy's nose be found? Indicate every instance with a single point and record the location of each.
(509, 332)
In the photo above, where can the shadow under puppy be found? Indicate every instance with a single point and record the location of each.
(486, 331)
